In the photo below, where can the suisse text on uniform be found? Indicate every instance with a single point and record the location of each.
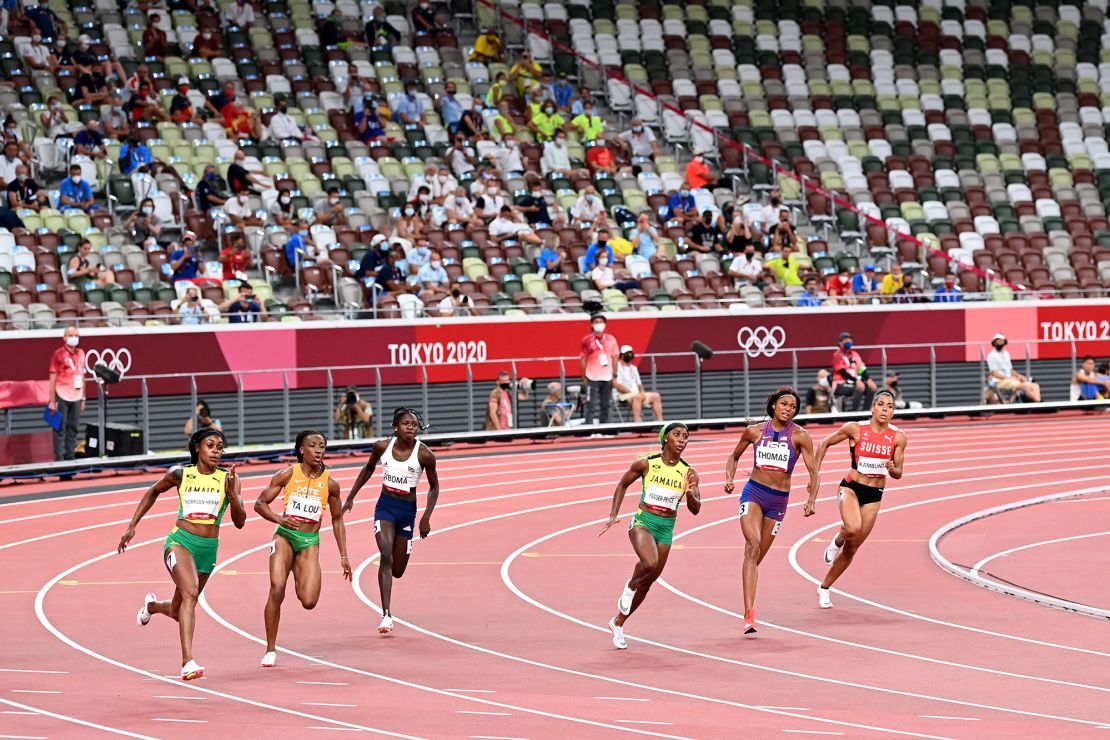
(429, 353)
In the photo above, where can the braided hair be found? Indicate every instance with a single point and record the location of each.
(402, 411)
(198, 437)
(301, 437)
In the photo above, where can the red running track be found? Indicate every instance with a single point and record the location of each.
(501, 616)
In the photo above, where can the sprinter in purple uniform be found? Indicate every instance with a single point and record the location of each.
(778, 443)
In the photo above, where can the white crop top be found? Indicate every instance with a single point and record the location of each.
(401, 477)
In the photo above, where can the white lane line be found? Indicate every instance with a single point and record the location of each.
(16, 711)
(324, 683)
(496, 737)
(25, 737)
(488, 714)
(334, 729)
(74, 720)
(941, 716)
(619, 698)
(641, 722)
(186, 698)
(530, 546)
(789, 709)
(326, 704)
(33, 691)
(472, 691)
(978, 566)
(813, 732)
(30, 670)
(187, 721)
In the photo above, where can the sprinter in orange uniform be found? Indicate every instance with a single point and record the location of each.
(308, 491)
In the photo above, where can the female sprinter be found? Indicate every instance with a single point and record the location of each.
(308, 491)
(667, 478)
(204, 492)
(778, 443)
(878, 450)
(403, 459)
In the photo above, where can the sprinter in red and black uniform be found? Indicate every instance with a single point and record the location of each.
(878, 450)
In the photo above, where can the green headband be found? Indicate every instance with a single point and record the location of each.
(667, 428)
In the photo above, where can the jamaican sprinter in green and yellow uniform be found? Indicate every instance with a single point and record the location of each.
(667, 479)
(204, 492)
(308, 491)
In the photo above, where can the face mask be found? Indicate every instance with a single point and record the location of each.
(283, 108)
(192, 299)
(443, 178)
(774, 201)
(504, 386)
(749, 253)
(76, 179)
(602, 262)
(425, 198)
(848, 345)
(286, 201)
(823, 382)
(333, 201)
(591, 198)
(456, 293)
(684, 193)
(999, 345)
(560, 142)
(436, 264)
(73, 341)
(637, 129)
(627, 357)
(146, 211)
(602, 242)
(409, 212)
(599, 328)
(211, 176)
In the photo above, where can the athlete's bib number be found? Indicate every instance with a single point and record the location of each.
(304, 507)
(872, 466)
(664, 498)
(774, 456)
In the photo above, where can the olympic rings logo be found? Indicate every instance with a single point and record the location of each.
(760, 340)
(118, 360)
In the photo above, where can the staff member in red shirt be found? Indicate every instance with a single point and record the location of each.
(851, 380)
(599, 357)
(67, 392)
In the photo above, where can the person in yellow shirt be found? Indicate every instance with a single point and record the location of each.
(544, 123)
(525, 74)
(590, 125)
(786, 267)
(502, 124)
(496, 91)
(893, 282)
(487, 48)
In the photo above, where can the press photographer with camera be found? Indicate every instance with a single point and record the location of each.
(203, 420)
(354, 414)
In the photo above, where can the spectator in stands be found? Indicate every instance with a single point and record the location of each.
(948, 292)
(239, 121)
(24, 192)
(487, 48)
(432, 275)
(239, 179)
(240, 15)
(704, 236)
(390, 279)
(67, 392)
(92, 88)
(240, 210)
(645, 238)
(134, 155)
(785, 267)
(460, 156)
(450, 109)
(783, 234)
(410, 111)
(534, 205)
(864, 284)
(38, 55)
(839, 286)
(354, 414)
(599, 351)
(282, 210)
(589, 210)
(747, 268)
(283, 127)
(681, 206)
(330, 211)
(331, 29)
(893, 282)
(812, 297)
(850, 377)
(49, 25)
(910, 293)
(1091, 385)
(143, 223)
(604, 276)
(89, 141)
(115, 122)
(140, 77)
(547, 122)
(698, 174)
(424, 21)
(738, 236)
(10, 134)
(145, 106)
(489, 199)
(460, 210)
(550, 260)
(54, 118)
(819, 395)
(1001, 374)
(506, 228)
(599, 157)
(245, 308)
(190, 312)
(561, 91)
(10, 164)
(457, 303)
(206, 45)
(556, 158)
(75, 193)
(235, 258)
(502, 124)
(80, 269)
(590, 126)
(298, 248)
(552, 407)
(380, 34)
(630, 388)
(769, 214)
(578, 104)
(597, 248)
(525, 74)
(471, 125)
(495, 99)
(639, 140)
(210, 192)
(154, 38)
(369, 122)
(408, 227)
(185, 259)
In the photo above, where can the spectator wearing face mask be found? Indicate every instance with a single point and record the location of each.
(241, 211)
(499, 410)
(534, 205)
(839, 287)
(144, 223)
(551, 259)
(769, 215)
(185, 260)
(369, 120)
(704, 236)
(597, 248)
(410, 110)
(24, 192)
(10, 164)
(408, 228)
(747, 268)
(948, 292)
(330, 211)
(681, 206)
(630, 388)
(240, 14)
(645, 238)
(90, 142)
(282, 211)
(424, 20)
(604, 276)
(450, 109)
(698, 174)
(283, 127)
(380, 33)
(487, 48)
(67, 392)
(546, 121)
(210, 191)
(865, 285)
(461, 157)
(235, 258)
(206, 45)
(556, 158)
(154, 38)
(589, 210)
(819, 395)
(432, 276)
(460, 209)
(190, 312)
(599, 157)
(1001, 374)
(599, 351)
(639, 140)
(457, 303)
(590, 126)
(244, 309)
(115, 121)
(75, 193)
(738, 237)
(554, 409)
(506, 228)
(525, 74)
(38, 54)
(851, 379)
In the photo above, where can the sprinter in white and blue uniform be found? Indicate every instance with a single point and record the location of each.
(404, 459)
(778, 443)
